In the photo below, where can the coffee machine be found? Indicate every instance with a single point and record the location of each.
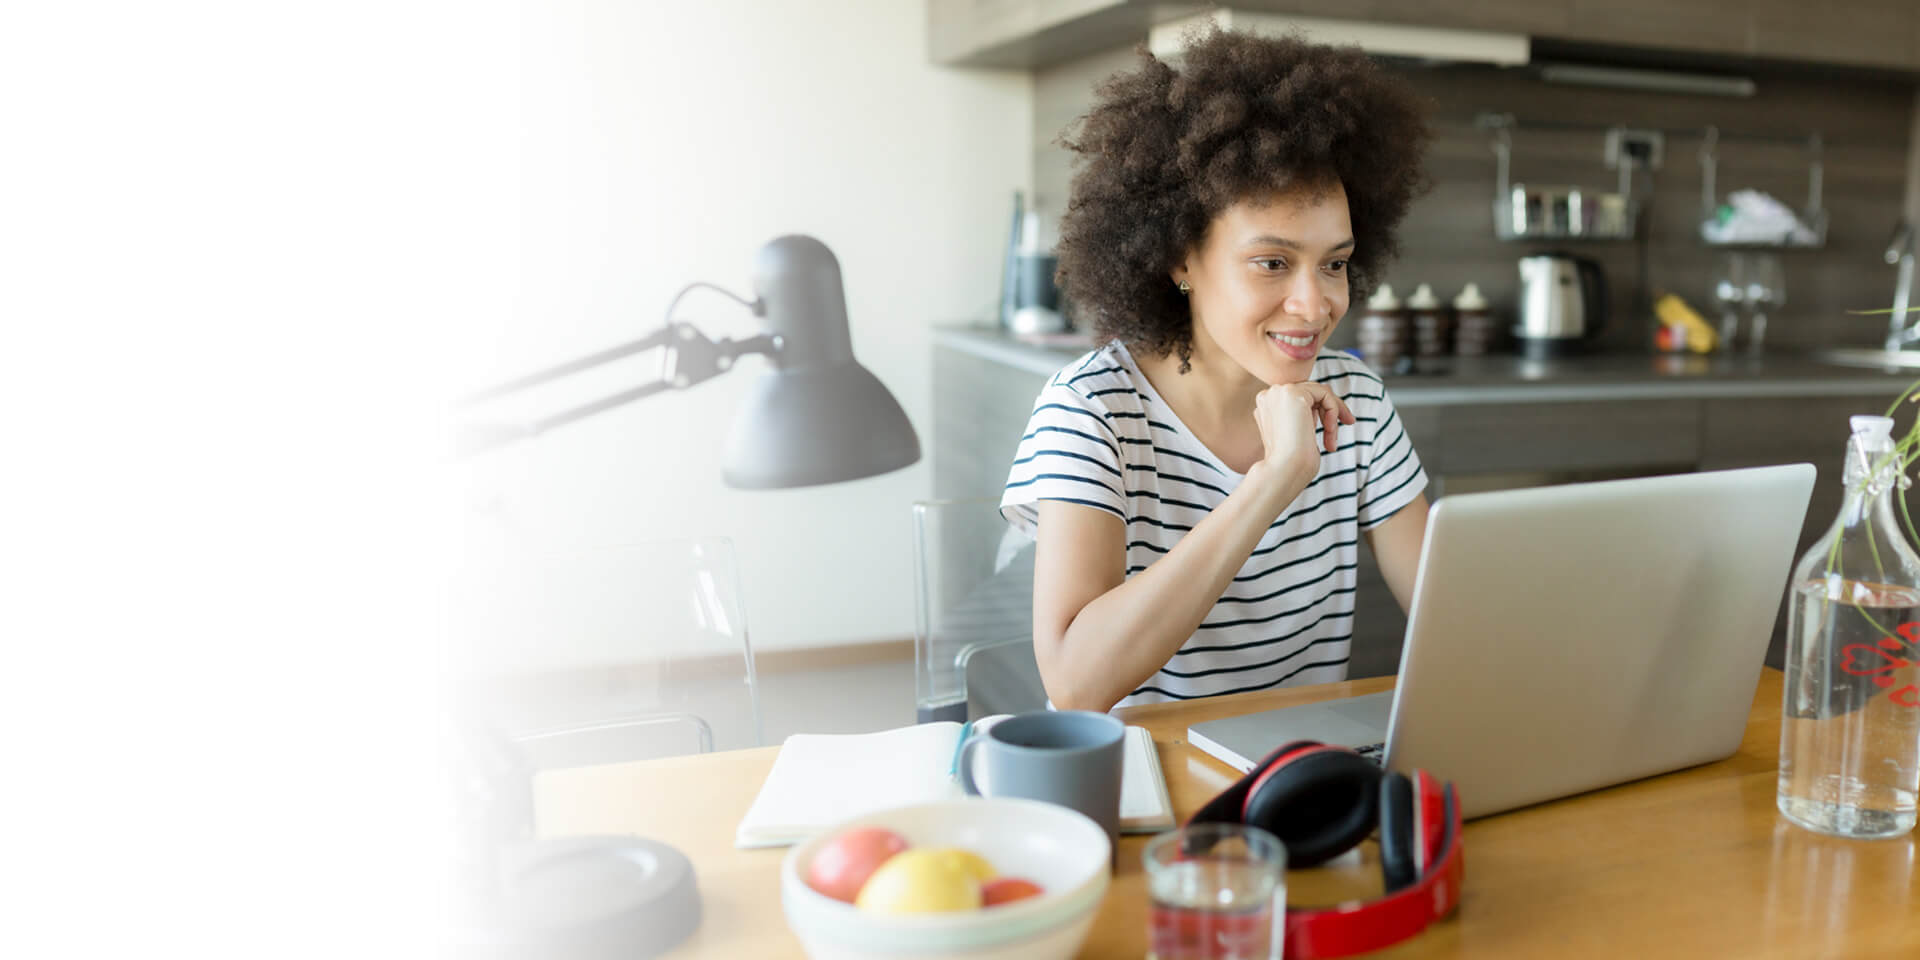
(1563, 304)
(1029, 302)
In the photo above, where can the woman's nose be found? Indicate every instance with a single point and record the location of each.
(1305, 297)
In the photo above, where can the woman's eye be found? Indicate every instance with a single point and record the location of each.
(1271, 264)
(1338, 266)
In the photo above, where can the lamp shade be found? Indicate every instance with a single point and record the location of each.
(818, 416)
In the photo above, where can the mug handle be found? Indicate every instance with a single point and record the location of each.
(966, 765)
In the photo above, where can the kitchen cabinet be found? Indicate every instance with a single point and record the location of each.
(1515, 16)
(1603, 435)
(1867, 33)
(1706, 26)
(1752, 433)
(1034, 33)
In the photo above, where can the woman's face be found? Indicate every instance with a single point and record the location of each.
(1270, 282)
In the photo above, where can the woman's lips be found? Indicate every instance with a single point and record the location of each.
(1299, 346)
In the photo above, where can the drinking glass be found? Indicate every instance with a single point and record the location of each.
(1219, 892)
(1766, 289)
(1730, 290)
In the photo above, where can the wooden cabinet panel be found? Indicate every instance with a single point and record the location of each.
(1867, 32)
(1761, 432)
(1423, 427)
(1748, 432)
(1566, 437)
(1710, 25)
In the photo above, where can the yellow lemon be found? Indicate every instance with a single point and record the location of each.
(921, 881)
(969, 861)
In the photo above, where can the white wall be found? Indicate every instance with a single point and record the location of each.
(664, 143)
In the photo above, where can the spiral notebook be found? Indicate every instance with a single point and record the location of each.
(822, 779)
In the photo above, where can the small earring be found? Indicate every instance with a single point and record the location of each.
(1184, 288)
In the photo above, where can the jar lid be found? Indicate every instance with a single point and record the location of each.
(1383, 299)
(1423, 299)
(1470, 299)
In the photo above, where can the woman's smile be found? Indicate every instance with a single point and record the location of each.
(1296, 345)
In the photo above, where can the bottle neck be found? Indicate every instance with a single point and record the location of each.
(1872, 479)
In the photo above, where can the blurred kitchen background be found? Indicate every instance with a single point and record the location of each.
(664, 143)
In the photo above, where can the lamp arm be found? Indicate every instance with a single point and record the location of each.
(694, 359)
(658, 338)
(691, 358)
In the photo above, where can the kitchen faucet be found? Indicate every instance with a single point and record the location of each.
(1900, 253)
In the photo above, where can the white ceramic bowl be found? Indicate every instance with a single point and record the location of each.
(1064, 852)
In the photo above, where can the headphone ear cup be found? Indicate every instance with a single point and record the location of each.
(1320, 804)
(1396, 833)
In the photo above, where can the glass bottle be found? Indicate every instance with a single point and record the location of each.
(1850, 720)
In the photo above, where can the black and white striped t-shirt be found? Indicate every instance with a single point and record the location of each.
(1101, 437)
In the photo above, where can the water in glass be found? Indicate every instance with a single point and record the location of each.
(1209, 909)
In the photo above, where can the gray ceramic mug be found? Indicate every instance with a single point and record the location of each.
(1070, 757)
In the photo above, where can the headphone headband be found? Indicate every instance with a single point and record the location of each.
(1320, 800)
(1367, 925)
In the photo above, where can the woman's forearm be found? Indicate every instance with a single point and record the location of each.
(1125, 635)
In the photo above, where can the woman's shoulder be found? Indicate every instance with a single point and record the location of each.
(1102, 377)
(1348, 376)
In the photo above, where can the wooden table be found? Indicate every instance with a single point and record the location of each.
(1691, 864)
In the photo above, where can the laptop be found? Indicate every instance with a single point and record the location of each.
(1568, 638)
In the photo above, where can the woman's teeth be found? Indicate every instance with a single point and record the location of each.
(1292, 341)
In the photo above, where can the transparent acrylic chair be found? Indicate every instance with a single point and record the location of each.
(973, 613)
(610, 654)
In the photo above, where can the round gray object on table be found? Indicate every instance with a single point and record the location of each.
(590, 898)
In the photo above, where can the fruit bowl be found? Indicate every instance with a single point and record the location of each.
(1066, 853)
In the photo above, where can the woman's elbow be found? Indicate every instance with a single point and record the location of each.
(1067, 688)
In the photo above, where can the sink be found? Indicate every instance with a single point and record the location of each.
(1868, 357)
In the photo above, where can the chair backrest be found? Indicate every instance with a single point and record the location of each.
(973, 636)
(610, 654)
(1003, 678)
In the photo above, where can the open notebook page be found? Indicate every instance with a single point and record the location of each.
(822, 779)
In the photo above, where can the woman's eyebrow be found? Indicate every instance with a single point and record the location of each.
(1273, 241)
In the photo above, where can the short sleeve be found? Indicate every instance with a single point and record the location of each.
(1391, 475)
(1069, 453)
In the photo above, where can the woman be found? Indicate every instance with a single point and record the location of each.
(1199, 483)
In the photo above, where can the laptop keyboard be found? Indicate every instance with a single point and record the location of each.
(1377, 752)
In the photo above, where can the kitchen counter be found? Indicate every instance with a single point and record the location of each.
(1505, 379)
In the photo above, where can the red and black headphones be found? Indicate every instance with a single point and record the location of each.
(1321, 801)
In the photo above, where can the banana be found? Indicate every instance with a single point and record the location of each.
(1674, 312)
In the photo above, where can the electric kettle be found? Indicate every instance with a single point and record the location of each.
(1563, 303)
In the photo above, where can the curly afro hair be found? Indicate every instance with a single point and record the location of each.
(1164, 151)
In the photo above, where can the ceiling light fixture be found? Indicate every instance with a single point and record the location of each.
(1659, 81)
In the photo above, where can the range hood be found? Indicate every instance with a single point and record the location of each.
(1379, 39)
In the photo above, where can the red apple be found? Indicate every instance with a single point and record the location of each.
(1006, 890)
(842, 865)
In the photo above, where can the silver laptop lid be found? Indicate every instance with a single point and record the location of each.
(1568, 638)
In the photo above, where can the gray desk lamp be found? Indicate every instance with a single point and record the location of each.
(817, 417)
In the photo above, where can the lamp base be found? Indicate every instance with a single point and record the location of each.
(584, 898)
